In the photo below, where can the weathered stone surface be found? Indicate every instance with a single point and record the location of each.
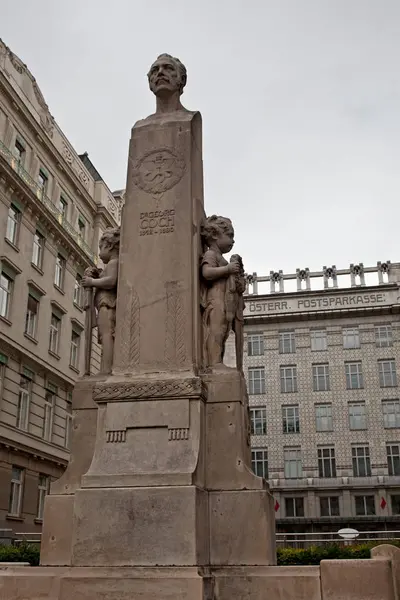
(357, 580)
(140, 527)
(392, 553)
(56, 541)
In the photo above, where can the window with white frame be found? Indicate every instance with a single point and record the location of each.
(43, 180)
(259, 462)
(59, 271)
(391, 413)
(326, 462)
(354, 376)
(291, 419)
(78, 291)
(6, 288)
(255, 344)
(393, 458)
(16, 492)
(43, 490)
(294, 506)
(383, 336)
(351, 337)
(365, 505)
(258, 419)
(82, 228)
(288, 379)
(256, 380)
(321, 378)
(3, 363)
(31, 316)
(387, 373)
(13, 221)
(395, 502)
(63, 206)
(38, 250)
(323, 417)
(75, 349)
(319, 340)
(329, 506)
(287, 342)
(292, 462)
(357, 415)
(24, 401)
(55, 329)
(361, 461)
(49, 406)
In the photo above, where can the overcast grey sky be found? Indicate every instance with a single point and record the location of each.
(300, 102)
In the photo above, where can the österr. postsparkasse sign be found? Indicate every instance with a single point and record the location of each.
(359, 299)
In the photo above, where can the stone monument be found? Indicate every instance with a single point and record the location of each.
(159, 494)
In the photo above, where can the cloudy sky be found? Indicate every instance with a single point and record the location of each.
(300, 102)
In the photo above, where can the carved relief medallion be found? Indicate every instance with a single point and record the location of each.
(158, 171)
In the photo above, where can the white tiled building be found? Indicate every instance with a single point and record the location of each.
(322, 370)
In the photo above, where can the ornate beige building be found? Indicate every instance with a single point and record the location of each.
(54, 206)
(322, 376)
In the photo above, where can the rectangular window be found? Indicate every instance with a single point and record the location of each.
(63, 206)
(326, 462)
(319, 341)
(365, 505)
(43, 490)
(288, 379)
(292, 460)
(13, 221)
(49, 404)
(16, 492)
(391, 413)
(82, 228)
(329, 506)
(393, 458)
(259, 462)
(354, 376)
(351, 337)
(291, 419)
(287, 342)
(78, 291)
(357, 415)
(38, 250)
(55, 329)
(323, 417)
(255, 344)
(6, 286)
(321, 378)
(383, 336)
(294, 507)
(68, 427)
(19, 152)
(387, 373)
(43, 180)
(361, 461)
(258, 418)
(59, 272)
(256, 380)
(395, 501)
(75, 349)
(31, 317)
(24, 401)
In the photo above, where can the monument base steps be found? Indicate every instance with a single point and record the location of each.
(373, 579)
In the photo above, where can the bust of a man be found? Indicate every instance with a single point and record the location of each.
(167, 78)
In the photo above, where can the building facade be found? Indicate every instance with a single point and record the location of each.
(54, 207)
(322, 375)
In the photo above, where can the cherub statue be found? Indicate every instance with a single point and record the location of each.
(218, 236)
(104, 284)
(234, 303)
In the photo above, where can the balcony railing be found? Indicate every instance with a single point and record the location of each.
(15, 164)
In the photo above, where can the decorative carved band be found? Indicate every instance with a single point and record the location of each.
(178, 434)
(116, 436)
(145, 389)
